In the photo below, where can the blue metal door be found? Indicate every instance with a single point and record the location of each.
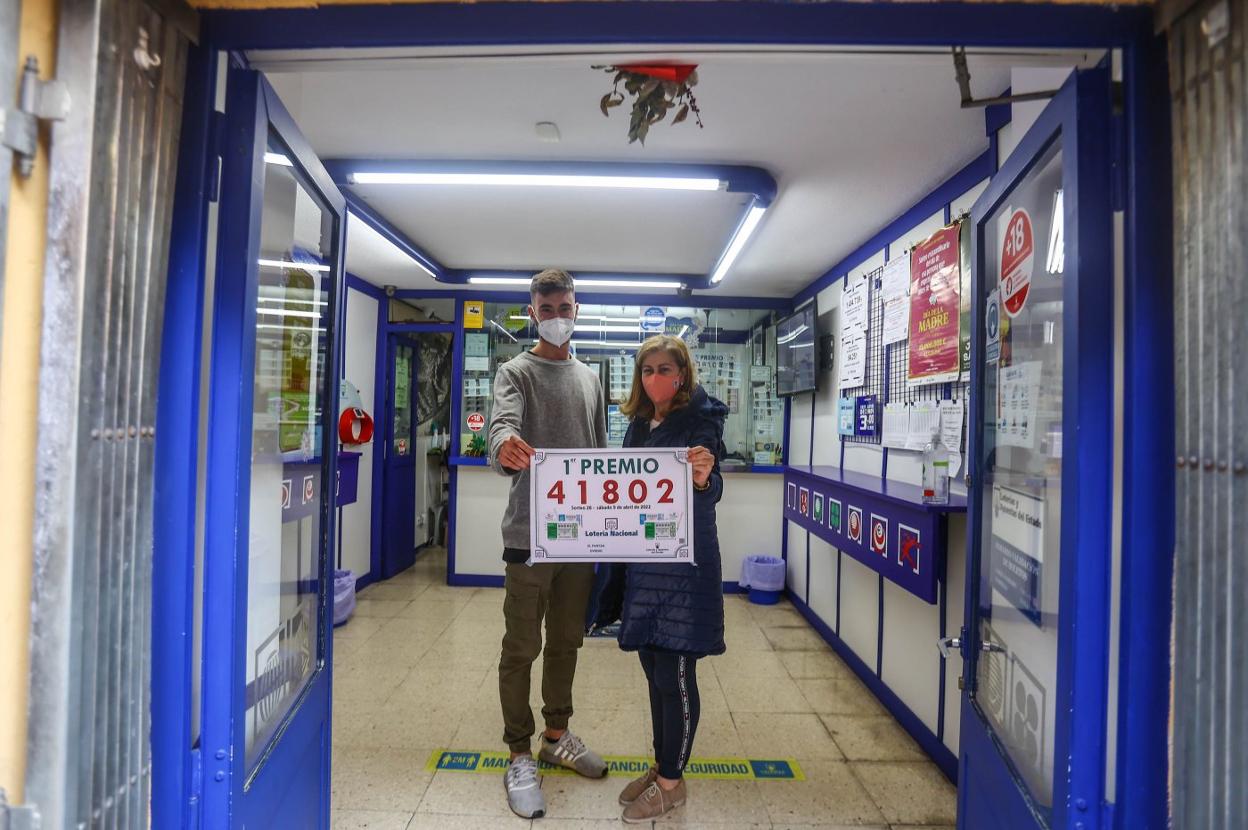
(276, 360)
(1036, 637)
(398, 526)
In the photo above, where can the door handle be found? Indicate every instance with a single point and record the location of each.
(948, 645)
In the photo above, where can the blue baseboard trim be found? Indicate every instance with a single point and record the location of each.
(364, 581)
(927, 740)
(734, 588)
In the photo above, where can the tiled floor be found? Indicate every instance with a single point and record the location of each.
(416, 670)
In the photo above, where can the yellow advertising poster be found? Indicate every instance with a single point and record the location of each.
(474, 314)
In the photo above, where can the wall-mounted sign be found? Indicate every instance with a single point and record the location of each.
(1018, 548)
(474, 314)
(1018, 257)
(866, 416)
(845, 416)
(992, 327)
(653, 319)
(935, 309)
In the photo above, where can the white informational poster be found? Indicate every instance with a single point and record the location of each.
(1017, 405)
(896, 425)
(476, 364)
(924, 423)
(854, 306)
(951, 433)
(853, 360)
(611, 506)
(895, 281)
(896, 320)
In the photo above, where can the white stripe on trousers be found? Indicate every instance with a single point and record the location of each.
(684, 711)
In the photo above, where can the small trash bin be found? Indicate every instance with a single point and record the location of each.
(344, 596)
(764, 576)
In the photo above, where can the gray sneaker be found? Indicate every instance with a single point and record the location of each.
(571, 752)
(524, 788)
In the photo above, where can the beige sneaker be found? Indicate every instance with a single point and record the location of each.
(654, 802)
(638, 786)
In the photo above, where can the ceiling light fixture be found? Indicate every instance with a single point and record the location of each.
(744, 231)
(287, 263)
(278, 159)
(1055, 263)
(578, 283)
(539, 180)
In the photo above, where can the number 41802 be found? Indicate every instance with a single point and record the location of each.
(638, 492)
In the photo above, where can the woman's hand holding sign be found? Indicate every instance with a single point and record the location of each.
(703, 462)
(515, 454)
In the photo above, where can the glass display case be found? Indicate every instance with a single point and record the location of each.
(734, 350)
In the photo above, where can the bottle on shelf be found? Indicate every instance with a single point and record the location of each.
(935, 472)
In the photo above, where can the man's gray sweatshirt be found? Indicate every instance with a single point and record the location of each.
(550, 404)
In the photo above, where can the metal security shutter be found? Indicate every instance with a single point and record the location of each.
(1210, 703)
(112, 182)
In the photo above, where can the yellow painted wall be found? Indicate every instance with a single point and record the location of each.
(19, 382)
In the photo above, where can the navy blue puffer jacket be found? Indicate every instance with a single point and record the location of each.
(680, 607)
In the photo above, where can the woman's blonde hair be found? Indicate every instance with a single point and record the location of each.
(639, 403)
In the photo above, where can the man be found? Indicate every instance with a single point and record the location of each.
(542, 398)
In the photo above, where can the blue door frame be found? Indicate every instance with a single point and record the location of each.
(291, 776)
(1145, 193)
(1078, 120)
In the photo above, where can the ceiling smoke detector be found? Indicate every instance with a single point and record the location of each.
(548, 131)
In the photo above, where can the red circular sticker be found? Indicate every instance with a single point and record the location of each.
(878, 533)
(476, 422)
(854, 522)
(1018, 256)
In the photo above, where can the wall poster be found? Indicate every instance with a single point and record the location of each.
(935, 309)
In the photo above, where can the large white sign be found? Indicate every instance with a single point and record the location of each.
(612, 506)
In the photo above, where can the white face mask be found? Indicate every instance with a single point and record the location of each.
(556, 330)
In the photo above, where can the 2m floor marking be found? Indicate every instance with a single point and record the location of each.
(715, 769)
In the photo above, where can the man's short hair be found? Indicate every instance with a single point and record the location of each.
(551, 281)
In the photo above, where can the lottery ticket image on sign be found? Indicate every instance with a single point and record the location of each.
(611, 506)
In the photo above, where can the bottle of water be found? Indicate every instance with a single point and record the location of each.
(935, 472)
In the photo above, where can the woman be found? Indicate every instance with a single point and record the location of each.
(673, 614)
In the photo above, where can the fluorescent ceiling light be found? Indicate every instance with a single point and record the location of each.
(286, 263)
(1056, 261)
(738, 242)
(608, 344)
(607, 329)
(539, 180)
(288, 301)
(278, 159)
(271, 312)
(272, 327)
(587, 283)
(600, 318)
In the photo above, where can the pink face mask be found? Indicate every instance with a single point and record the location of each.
(660, 389)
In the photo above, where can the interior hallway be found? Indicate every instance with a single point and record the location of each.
(415, 670)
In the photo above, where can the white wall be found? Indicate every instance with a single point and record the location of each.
(748, 517)
(905, 648)
(480, 499)
(360, 368)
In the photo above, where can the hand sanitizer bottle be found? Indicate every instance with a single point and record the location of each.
(935, 472)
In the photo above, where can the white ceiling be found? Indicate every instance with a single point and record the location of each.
(852, 139)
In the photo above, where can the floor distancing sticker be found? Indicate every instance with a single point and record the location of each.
(717, 769)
